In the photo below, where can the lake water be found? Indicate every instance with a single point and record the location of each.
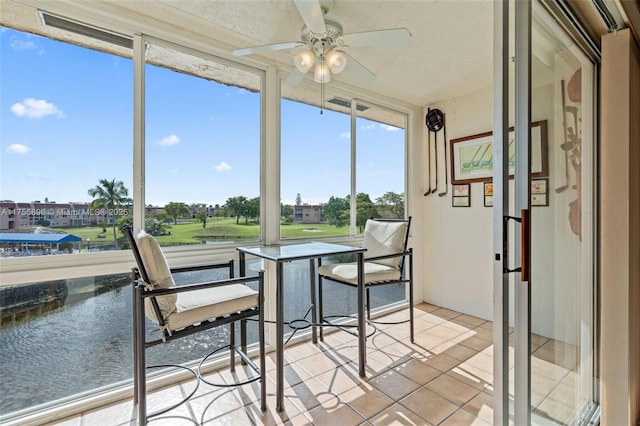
(88, 345)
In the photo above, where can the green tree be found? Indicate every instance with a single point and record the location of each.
(298, 200)
(237, 207)
(365, 209)
(336, 211)
(253, 209)
(286, 212)
(394, 202)
(175, 210)
(112, 196)
(202, 215)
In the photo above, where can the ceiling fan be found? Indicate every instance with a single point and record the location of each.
(324, 44)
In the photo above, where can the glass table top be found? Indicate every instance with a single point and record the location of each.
(298, 251)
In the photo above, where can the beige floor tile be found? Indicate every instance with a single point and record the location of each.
(340, 380)
(481, 406)
(472, 376)
(366, 400)
(398, 415)
(394, 384)
(443, 362)
(211, 406)
(340, 414)
(446, 313)
(464, 418)
(555, 411)
(447, 333)
(469, 320)
(475, 342)
(429, 405)
(310, 394)
(455, 350)
(418, 370)
(452, 389)
(481, 361)
(319, 363)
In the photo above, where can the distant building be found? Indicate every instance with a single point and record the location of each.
(306, 213)
(14, 215)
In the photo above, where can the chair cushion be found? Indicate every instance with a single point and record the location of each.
(159, 274)
(349, 272)
(383, 238)
(194, 307)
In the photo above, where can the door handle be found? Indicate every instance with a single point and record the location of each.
(525, 243)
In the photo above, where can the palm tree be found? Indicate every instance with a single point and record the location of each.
(112, 196)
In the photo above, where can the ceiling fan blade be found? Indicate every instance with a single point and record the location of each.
(379, 38)
(358, 71)
(294, 78)
(267, 48)
(312, 15)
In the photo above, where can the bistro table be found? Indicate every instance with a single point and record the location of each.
(312, 251)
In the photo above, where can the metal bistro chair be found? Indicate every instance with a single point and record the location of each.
(187, 309)
(384, 264)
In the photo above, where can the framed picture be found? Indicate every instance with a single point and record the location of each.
(488, 194)
(461, 195)
(540, 192)
(472, 156)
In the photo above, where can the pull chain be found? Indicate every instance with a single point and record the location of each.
(324, 69)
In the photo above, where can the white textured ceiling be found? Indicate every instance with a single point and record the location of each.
(450, 52)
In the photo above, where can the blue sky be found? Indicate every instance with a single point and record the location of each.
(66, 122)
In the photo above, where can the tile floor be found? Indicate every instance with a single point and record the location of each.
(445, 378)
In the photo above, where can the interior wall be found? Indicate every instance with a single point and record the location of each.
(458, 240)
(620, 230)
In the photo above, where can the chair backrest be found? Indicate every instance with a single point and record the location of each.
(154, 271)
(384, 237)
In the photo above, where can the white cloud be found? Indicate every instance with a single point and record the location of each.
(368, 126)
(17, 148)
(27, 43)
(389, 128)
(169, 140)
(36, 108)
(345, 135)
(222, 167)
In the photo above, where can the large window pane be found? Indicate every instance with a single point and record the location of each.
(380, 164)
(315, 170)
(66, 146)
(202, 149)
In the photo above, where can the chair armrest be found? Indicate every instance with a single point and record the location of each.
(388, 256)
(199, 286)
(227, 264)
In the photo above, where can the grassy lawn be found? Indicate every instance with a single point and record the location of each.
(218, 229)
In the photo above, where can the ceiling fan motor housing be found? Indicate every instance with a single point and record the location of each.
(330, 37)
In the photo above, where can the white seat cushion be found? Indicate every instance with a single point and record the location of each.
(383, 238)
(349, 272)
(159, 274)
(193, 307)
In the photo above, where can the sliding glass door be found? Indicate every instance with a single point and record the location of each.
(544, 197)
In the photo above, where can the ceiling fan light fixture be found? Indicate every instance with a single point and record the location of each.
(337, 61)
(322, 73)
(304, 60)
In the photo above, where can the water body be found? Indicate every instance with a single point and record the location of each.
(88, 345)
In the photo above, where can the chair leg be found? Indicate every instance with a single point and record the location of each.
(411, 296)
(243, 338)
(139, 365)
(321, 319)
(368, 303)
(232, 344)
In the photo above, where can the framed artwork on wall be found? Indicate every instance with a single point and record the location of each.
(472, 156)
(461, 195)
